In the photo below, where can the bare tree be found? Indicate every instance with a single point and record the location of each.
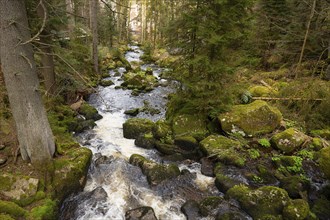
(35, 137)
(93, 17)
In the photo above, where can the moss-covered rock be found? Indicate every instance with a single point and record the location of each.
(295, 185)
(223, 149)
(253, 119)
(46, 210)
(139, 81)
(224, 183)
(106, 83)
(70, 172)
(156, 173)
(12, 209)
(325, 133)
(145, 141)
(324, 161)
(208, 204)
(261, 91)
(89, 112)
(134, 127)
(187, 143)
(296, 210)
(266, 200)
(289, 140)
(132, 112)
(189, 125)
(161, 130)
(321, 208)
(5, 217)
(288, 164)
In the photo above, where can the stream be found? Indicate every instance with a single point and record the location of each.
(114, 186)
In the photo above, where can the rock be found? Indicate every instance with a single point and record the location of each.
(161, 129)
(191, 210)
(326, 75)
(260, 91)
(325, 133)
(252, 119)
(324, 161)
(89, 112)
(289, 140)
(233, 215)
(209, 205)
(187, 143)
(106, 83)
(146, 141)
(2, 146)
(295, 186)
(155, 173)
(224, 183)
(18, 187)
(141, 213)
(71, 171)
(189, 125)
(12, 209)
(132, 112)
(134, 127)
(101, 159)
(296, 210)
(261, 202)
(223, 149)
(167, 149)
(3, 159)
(207, 167)
(321, 208)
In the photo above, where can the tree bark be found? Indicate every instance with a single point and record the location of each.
(34, 134)
(93, 13)
(71, 21)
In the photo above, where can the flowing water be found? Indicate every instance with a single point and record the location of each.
(114, 186)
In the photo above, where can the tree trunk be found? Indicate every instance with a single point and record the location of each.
(93, 13)
(47, 59)
(34, 134)
(69, 14)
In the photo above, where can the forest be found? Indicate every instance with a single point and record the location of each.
(165, 109)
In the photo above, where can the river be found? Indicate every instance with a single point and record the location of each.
(114, 186)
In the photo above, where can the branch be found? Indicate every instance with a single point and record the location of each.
(109, 7)
(42, 26)
(120, 4)
(293, 99)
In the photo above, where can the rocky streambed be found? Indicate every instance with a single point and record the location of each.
(244, 164)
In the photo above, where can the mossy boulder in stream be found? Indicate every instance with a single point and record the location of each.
(71, 171)
(189, 125)
(156, 173)
(134, 127)
(289, 140)
(89, 112)
(261, 202)
(223, 149)
(146, 141)
(324, 161)
(253, 119)
(161, 130)
(296, 210)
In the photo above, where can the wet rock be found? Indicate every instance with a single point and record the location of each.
(191, 210)
(141, 213)
(295, 186)
(146, 141)
(18, 187)
(321, 208)
(101, 159)
(324, 161)
(187, 143)
(89, 112)
(223, 149)
(161, 129)
(189, 125)
(3, 159)
(251, 119)
(261, 202)
(167, 149)
(106, 83)
(155, 172)
(132, 112)
(289, 140)
(224, 183)
(207, 167)
(133, 127)
(209, 205)
(233, 215)
(296, 210)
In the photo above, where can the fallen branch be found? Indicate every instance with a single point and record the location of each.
(288, 98)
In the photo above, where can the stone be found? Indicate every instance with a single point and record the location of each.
(106, 83)
(161, 129)
(224, 183)
(141, 213)
(260, 91)
(101, 159)
(261, 202)
(189, 125)
(3, 159)
(296, 210)
(89, 112)
(191, 210)
(222, 149)
(18, 187)
(132, 112)
(209, 205)
(289, 140)
(295, 186)
(324, 161)
(252, 119)
(207, 167)
(134, 127)
(187, 143)
(146, 141)
(156, 173)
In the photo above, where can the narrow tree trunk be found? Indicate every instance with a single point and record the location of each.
(93, 9)
(69, 14)
(34, 134)
(305, 38)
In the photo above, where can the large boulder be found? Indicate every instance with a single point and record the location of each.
(134, 127)
(296, 210)
(156, 173)
(223, 149)
(253, 119)
(289, 140)
(161, 130)
(324, 161)
(189, 125)
(261, 202)
(260, 91)
(146, 141)
(141, 213)
(89, 112)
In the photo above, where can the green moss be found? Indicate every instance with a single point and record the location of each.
(134, 127)
(12, 209)
(292, 164)
(260, 91)
(45, 211)
(324, 161)
(252, 119)
(317, 143)
(325, 133)
(6, 182)
(189, 125)
(106, 83)
(89, 112)
(5, 217)
(288, 140)
(264, 142)
(208, 204)
(161, 129)
(28, 200)
(296, 210)
(266, 200)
